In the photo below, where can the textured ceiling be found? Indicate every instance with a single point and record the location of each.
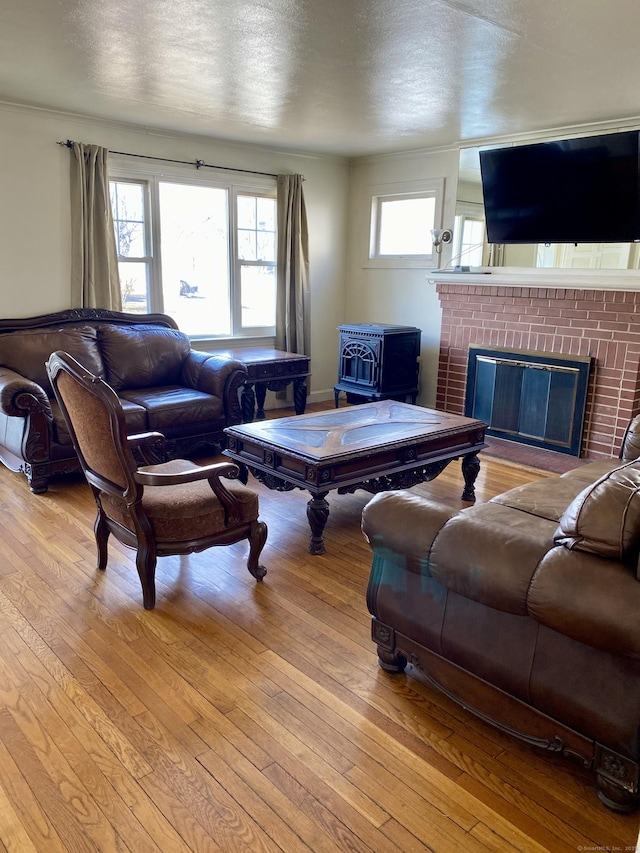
(341, 76)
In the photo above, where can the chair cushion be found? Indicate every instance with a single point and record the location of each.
(142, 356)
(604, 518)
(186, 511)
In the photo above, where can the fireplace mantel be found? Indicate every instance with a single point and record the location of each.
(543, 277)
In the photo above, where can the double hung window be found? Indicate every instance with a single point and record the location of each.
(200, 250)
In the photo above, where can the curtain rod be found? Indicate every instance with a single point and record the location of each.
(199, 164)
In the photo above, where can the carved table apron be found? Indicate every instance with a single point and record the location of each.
(375, 447)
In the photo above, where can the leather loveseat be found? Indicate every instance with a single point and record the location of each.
(524, 609)
(164, 386)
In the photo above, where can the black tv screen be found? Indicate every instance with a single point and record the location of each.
(582, 190)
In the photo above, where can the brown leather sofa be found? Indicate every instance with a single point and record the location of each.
(164, 386)
(524, 609)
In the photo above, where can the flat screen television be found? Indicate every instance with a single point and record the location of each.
(584, 190)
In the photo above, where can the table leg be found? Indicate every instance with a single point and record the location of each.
(470, 471)
(247, 402)
(261, 393)
(317, 513)
(243, 476)
(299, 395)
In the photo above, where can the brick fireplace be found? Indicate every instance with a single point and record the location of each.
(602, 324)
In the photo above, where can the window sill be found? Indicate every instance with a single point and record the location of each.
(215, 344)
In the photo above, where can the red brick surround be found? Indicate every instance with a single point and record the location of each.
(604, 324)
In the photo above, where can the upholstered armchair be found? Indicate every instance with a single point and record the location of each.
(174, 507)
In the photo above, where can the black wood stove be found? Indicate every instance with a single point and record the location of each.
(378, 362)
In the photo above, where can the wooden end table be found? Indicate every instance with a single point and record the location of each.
(375, 446)
(271, 369)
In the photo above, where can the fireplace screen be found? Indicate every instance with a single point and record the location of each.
(532, 397)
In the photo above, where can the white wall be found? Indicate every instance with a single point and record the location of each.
(398, 296)
(35, 240)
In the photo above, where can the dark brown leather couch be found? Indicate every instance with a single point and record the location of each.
(524, 609)
(163, 384)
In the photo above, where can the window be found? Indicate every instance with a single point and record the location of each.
(203, 252)
(468, 235)
(402, 216)
(130, 219)
(256, 261)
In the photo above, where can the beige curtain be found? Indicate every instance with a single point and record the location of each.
(94, 261)
(293, 325)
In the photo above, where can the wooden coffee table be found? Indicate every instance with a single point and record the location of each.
(376, 447)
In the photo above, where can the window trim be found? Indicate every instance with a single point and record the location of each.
(151, 175)
(433, 188)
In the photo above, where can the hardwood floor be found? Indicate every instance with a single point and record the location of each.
(239, 716)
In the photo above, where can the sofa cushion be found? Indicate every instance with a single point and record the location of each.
(27, 351)
(604, 518)
(594, 601)
(135, 416)
(489, 553)
(170, 409)
(547, 498)
(592, 471)
(61, 434)
(142, 356)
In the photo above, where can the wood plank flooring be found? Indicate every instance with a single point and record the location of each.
(239, 716)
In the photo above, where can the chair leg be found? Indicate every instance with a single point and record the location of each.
(257, 539)
(101, 532)
(146, 566)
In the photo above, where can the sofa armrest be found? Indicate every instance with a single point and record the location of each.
(404, 524)
(218, 375)
(631, 441)
(20, 397)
